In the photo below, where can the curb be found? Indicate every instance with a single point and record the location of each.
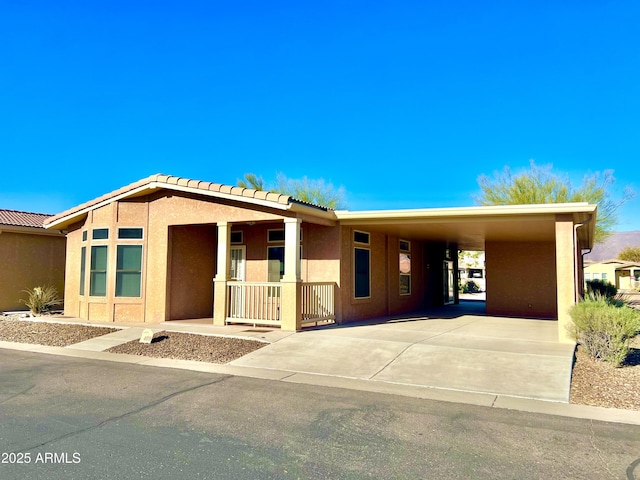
(630, 417)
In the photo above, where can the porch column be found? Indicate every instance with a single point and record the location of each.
(222, 275)
(565, 272)
(291, 301)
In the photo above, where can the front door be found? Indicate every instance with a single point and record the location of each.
(237, 267)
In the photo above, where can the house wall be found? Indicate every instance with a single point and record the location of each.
(385, 298)
(28, 261)
(179, 255)
(521, 279)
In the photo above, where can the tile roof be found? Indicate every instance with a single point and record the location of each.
(169, 181)
(16, 218)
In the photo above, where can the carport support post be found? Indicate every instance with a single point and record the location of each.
(291, 301)
(222, 275)
(565, 272)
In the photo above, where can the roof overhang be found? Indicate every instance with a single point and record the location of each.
(471, 227)
(29, 230)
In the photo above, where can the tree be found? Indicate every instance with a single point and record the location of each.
(539, 185)
(307, 190)
(630, 254)
(251, 180)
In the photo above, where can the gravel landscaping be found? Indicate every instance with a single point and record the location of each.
(593, 382)
(14, 329)
(186, 346)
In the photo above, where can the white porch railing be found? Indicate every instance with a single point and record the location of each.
(259, 303)
(251, 302)
(318, 302)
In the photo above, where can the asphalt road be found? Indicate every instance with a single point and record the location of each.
(73, 418)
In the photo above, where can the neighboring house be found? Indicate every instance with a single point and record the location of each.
(471, 268)
(620, 273)
(168, 248)
(31, 256)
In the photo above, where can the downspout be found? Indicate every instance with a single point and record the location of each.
(576, 274)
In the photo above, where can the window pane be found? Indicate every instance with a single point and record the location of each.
(84, 236)
(128, 284)
(135, 233)
(98, 281)
(98, 277)
(405, 246)
(99, 257)
(129, 257)
(83, 268)
(128, 271)
(275, 264)
(405, 263)
(275, 235)
(236, 237)
(405, 284)
(361, 237)
(100, 234)
(362, 284)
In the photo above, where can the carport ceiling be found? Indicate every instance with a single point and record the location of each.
(470, 227)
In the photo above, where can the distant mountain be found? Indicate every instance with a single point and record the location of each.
(612, 246)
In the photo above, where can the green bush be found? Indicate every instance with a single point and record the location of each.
(604, 327)
(602, 287)
(470, 287)
(41, 299)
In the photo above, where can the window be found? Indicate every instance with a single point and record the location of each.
(361, 237)
(604, 276)
(587, 276)
(128, 270)
(405, 267)
(475, 273)
(100, 234)
(275, 235)
(98, 273)
(83, 267)
(275, 264)
(405, 273)
(236, 237)
(130, 233)
(362, 272)
(84, 236)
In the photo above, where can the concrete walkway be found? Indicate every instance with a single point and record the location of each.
(455, 354)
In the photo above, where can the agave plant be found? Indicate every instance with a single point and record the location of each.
(41, 299)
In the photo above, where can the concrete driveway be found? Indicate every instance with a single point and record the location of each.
(454, 348)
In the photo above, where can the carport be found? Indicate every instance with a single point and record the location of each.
(533, 252)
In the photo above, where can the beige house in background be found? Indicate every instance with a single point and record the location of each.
(622, 274)
(31, 256)
(169, 248)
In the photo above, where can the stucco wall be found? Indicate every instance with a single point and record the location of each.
(385, 298)
(29, 260)
(521, 279)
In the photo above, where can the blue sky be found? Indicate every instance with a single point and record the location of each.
(404, 104)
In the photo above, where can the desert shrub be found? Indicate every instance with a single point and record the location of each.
(602, 287)
(604, 327)
(41, 299)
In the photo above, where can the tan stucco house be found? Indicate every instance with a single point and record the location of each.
(31, 256)
(168, 248)
(620, 273)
